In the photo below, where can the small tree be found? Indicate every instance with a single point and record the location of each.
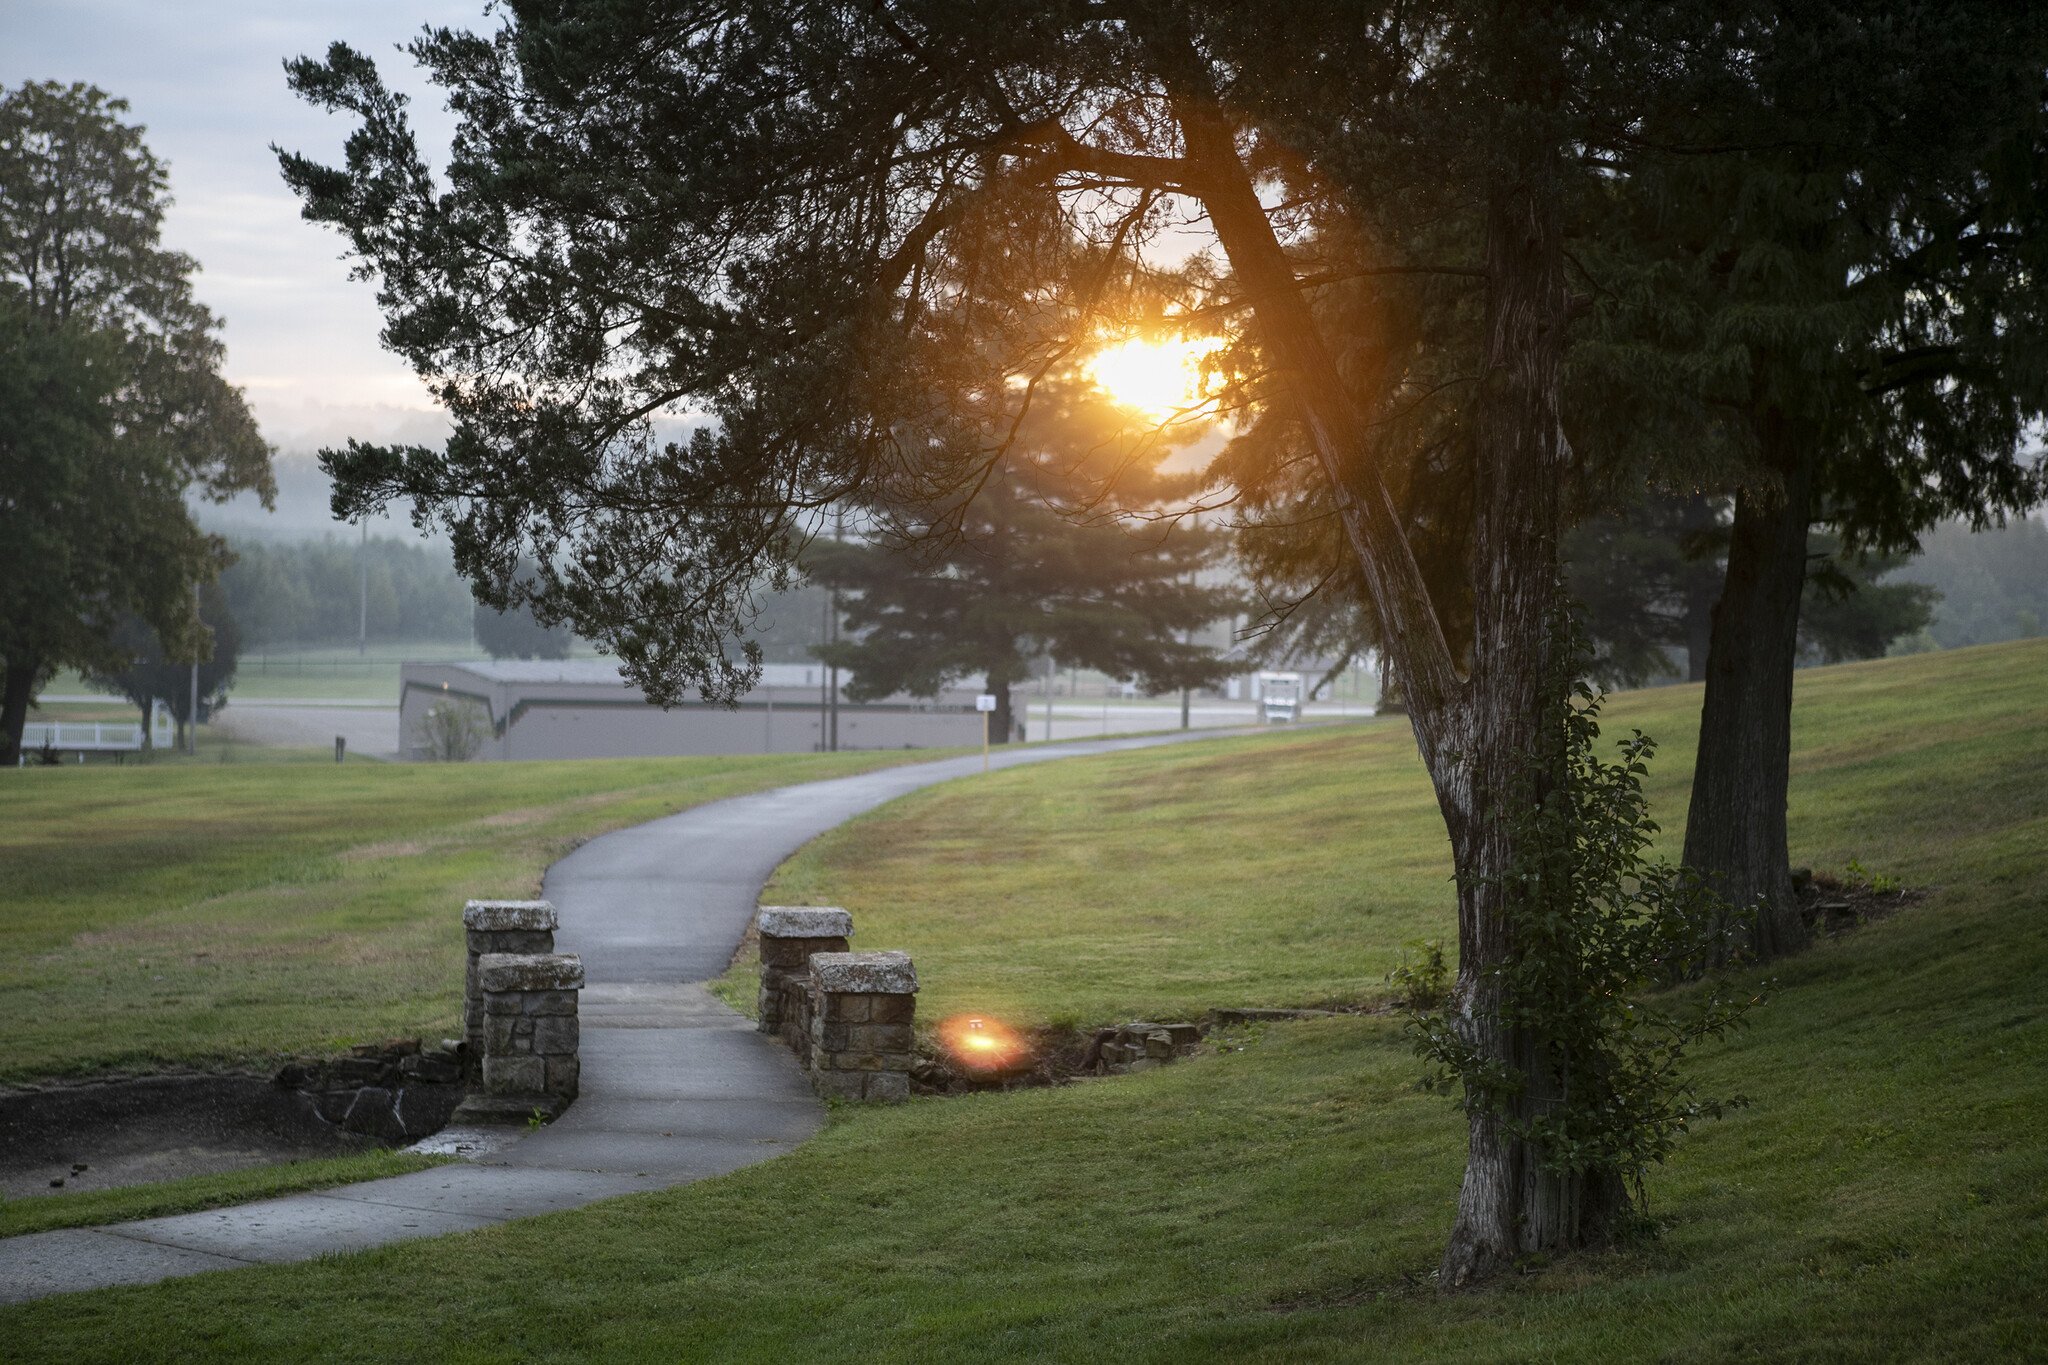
(451, 731)
(155, 673)
(1070, 548)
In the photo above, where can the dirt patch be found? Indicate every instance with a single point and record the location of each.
(1834, 905)
(103, 1134)
(1062, 1056)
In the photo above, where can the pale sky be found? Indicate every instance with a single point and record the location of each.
(205, 78)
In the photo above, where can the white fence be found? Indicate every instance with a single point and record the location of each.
(83, 737)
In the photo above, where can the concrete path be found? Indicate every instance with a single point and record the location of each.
(675, 1086)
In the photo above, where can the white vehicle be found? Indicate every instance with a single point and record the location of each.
(1279, 697)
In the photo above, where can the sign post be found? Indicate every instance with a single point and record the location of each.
(986, 704)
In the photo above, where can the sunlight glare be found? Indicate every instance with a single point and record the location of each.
(1160, 379)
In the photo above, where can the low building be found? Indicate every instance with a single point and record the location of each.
(581, 708)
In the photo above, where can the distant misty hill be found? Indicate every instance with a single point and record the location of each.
(1993, 584)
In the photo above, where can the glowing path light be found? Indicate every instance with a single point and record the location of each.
(981, 1044)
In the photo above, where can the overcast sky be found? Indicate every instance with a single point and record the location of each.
(205, 78)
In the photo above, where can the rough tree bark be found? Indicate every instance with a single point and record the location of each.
(1735, 825)
(14, 698)
(1476, 733)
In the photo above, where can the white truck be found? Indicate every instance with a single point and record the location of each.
(1279, 697)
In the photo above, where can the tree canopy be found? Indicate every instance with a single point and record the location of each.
(150, 675)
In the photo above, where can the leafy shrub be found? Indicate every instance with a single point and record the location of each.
(1424, 984)
(1598, 928)
(451, 731)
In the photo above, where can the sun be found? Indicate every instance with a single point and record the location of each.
(1159, 378)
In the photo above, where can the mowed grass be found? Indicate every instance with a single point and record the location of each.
(225, 912)
(1299, 868)
(95, 1208)
(1284, 1196)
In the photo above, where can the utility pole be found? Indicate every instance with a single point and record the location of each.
(363, 590)
(825, 675)
(1048, 696)
(192, 711)
(838, 535)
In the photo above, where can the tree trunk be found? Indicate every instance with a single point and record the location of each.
(1735, 826)
(1001, 722)
(1702, 590)
(1513, 1202)
(14, 699)
(1476, 733)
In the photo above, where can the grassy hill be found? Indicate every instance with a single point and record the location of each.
(1283, 1197)
(216, 913)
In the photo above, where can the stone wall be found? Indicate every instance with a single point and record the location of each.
(790, 935)
(1139, 1047)
(530, 1036)
(863, 1009)
(498, 927)
(397, 1090)
(849, 1017)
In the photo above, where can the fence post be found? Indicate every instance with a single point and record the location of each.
(790, 934)
(497, 927)
(863, 1009)
(531, 1037)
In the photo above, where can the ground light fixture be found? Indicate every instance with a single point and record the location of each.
(976, 1042)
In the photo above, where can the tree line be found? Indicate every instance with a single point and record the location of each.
(312, 592)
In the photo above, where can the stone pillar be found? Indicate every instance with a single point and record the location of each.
(530, 1036)
(862, 1007)
(498, 927)
(789, 935)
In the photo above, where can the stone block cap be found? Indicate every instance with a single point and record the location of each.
(886, 973)
(530, 971)
(496, 916)
(804, 921)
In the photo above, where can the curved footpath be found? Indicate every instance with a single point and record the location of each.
(675, 1086)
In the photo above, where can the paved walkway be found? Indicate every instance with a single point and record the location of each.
(675, 1086)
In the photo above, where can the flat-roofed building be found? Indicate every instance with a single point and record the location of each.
(582, 708)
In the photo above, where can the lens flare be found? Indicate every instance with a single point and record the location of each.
(1158, 378)
(979, 1043)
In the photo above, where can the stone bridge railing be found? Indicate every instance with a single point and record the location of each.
(850, 1017)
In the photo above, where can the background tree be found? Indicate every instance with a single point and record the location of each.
(1647, 580)
(1069, 548)
(1827, 277)
(514, 634)
(153, 674)
(114, 404)
(1993, 584)
(309, 591)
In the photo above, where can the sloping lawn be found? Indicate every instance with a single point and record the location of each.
(223, 913)
(1283, 1197)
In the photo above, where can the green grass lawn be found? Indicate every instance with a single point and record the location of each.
(1283, 1197)
(335, 672)
(94, 1208)
(212, 912)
